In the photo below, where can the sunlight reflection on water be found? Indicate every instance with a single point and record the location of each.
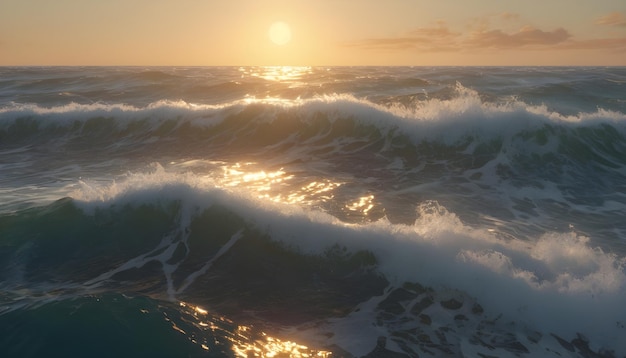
(276, 73)
(246, 341)
(278, 185)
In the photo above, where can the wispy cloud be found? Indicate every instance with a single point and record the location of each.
(509, 16)
(617, 44)
(612, 19)
(439, 37)
(432, 38)
(442, 38)
(526, 36)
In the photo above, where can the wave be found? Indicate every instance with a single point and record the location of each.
(463, 139)
(279, 122)
(179, 237)
(463, 103)
(463, 142)
(499, 162)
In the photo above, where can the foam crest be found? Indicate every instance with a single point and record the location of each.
(99, 107)
(580, 267)
(153, 184)
(465, 114)
(448, 120)
(67, 114)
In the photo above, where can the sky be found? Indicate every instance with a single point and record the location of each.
(320, 32)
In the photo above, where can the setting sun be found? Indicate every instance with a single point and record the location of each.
(280, 33)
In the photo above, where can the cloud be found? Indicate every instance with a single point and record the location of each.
(434, 38)
(613, 19)
(509, 16)
(439, 31)
(617, 44)
(526, 36)
(440, 38)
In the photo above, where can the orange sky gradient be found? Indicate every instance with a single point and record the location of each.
(323, 32)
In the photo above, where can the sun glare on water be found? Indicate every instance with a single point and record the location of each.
(278, 186)
(246, 341)
(280, 33)
(277, 73)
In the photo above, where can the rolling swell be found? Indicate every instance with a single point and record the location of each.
(463, 146)
(276, 266)
(152, 250)
(459, 125)
(465, 143)
(77, 277)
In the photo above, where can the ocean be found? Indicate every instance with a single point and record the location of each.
(312, 211)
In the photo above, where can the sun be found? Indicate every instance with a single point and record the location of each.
(280, 33)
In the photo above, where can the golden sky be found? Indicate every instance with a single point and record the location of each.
(321, 32)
